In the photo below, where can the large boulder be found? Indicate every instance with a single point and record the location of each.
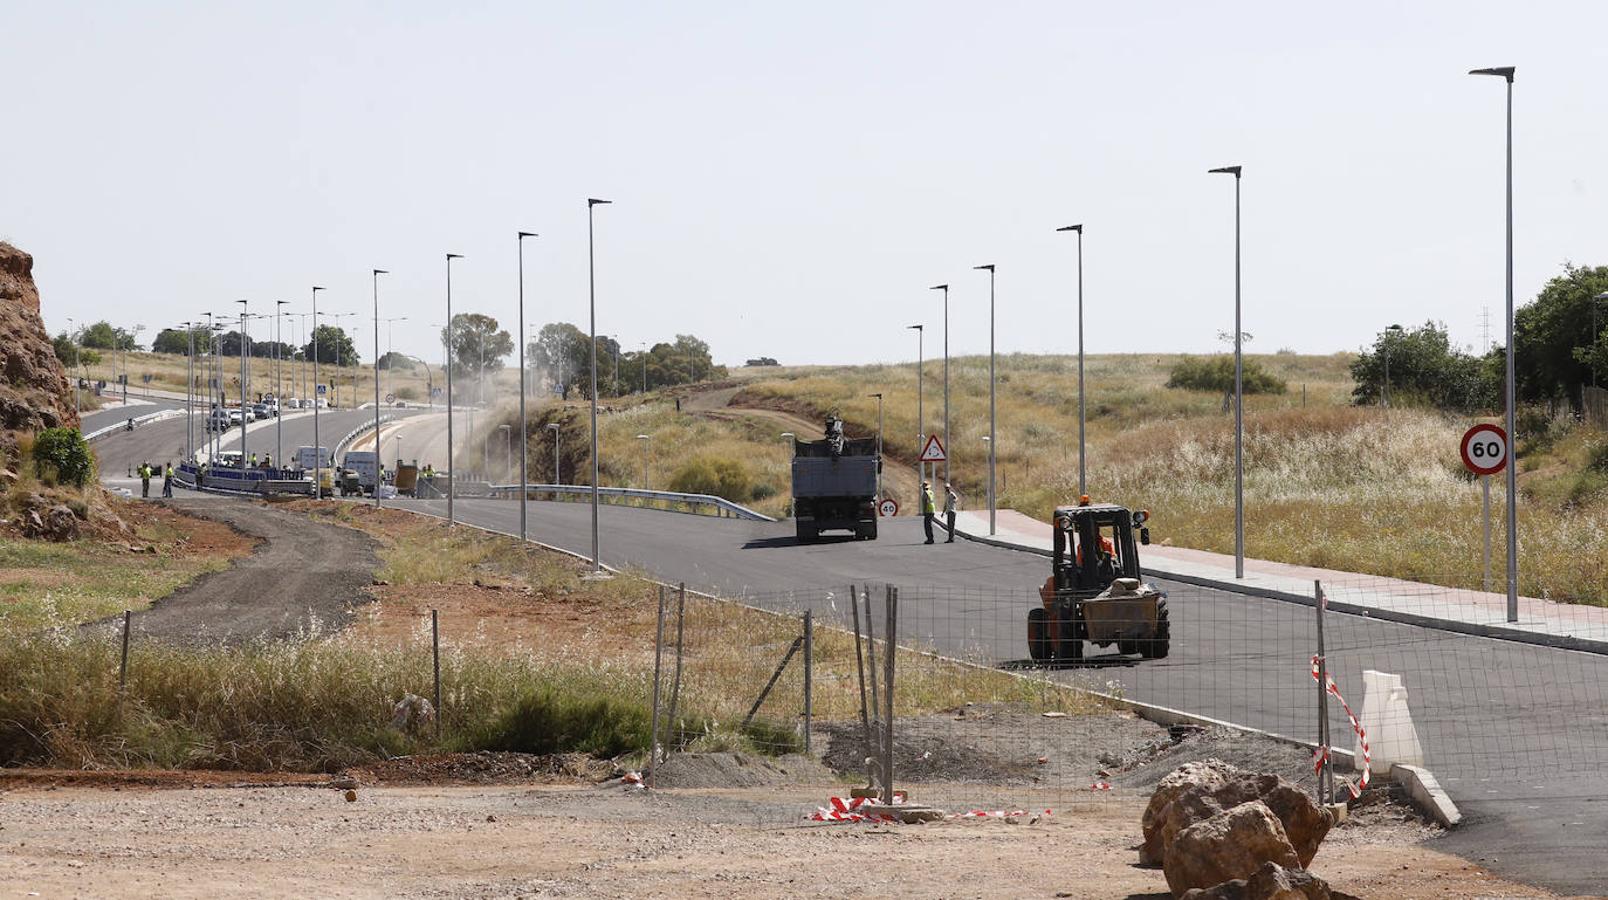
(34, 391)
(1210, 772)
(1230, 845)
(1271, 882)
(1211, 789)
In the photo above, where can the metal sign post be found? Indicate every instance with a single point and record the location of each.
(1484, 449)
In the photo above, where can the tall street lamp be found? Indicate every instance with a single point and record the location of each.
(189, 392)
(318, 447)
(279, 381)
(921, 414)
(452, 473)
(243, 410)
(1083, 479)
(878, 395)
(376, 273)
(992, 419)
(1239, 387)
(591, 277)
(1506, 73)
(554, 427)
(1596, 301)
(945, 289)
(524, 423)
(1384, 394)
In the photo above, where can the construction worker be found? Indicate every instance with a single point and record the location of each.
(145, 479)
(254, 460)
(928, 509)
(951, 501)
(167, 481)
(267, 460)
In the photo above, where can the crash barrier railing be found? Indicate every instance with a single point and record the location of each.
(146, 419)
(357, 432)
(721, 505)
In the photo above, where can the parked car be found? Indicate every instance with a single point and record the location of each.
(293, 403)
(262, 410)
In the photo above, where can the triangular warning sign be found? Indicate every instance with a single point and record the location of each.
(934, 451)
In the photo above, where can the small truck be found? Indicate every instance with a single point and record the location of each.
(835, 484)
(1097, 596)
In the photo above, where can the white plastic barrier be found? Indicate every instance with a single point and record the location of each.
(1388, 721)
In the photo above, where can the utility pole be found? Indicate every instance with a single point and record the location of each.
(993, 420)
(524, 424)
(947, 451)
(378, 455)
(452, 473)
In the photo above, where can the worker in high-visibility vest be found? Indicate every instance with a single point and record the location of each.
(929, 508)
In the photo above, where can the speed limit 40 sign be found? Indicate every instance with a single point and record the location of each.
(1484, 449)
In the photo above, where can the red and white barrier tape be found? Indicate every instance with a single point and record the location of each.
(872, 809)
(1321, 755)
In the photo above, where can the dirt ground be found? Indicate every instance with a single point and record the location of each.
(545, 841)
(302, 576)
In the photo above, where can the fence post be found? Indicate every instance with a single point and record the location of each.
(809, 664)
(122, 670)
(859, 665)
(675, 686)
(1325, 786)
(435, 653)
(890, 638)
(658, 656)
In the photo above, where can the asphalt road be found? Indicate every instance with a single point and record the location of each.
(1517, 734)
(114, 412)
(164, 441)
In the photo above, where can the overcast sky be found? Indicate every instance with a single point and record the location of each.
(789, 179)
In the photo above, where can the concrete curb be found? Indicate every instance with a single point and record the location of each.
(1493, 632)
(1427, 794)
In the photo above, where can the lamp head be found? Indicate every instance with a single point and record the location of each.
(526, 234)
(1225, 170)
(1501, 71)
(454, 256)
(939, 287)
(989, 267)
(591, 202)
(1077, 228)
(381, 272)
(916, 327)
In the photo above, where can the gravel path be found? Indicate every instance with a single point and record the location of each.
(304, 576)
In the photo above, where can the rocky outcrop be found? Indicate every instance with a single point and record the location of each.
(1232, 844)
(34, 391)
(1271, 882)
(1198, 791)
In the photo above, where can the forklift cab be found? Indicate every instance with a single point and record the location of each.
(1094, 546)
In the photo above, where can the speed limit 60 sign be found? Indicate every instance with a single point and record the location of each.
(1484, 449)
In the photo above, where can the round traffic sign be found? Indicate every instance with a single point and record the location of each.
(889, 507)
(390, 398)
(1484, 449)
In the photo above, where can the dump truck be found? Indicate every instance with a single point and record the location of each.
(1095, 591)
(835, 484)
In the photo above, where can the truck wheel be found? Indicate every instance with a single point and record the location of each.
(1038, 636)
(1157, 647)
(1129, 648)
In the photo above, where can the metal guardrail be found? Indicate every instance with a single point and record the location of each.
(736, 510)
(146, 419)
(355, 432)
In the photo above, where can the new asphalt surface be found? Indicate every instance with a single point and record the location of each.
(1517, 734)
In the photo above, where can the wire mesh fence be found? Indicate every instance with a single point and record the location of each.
(998, 707)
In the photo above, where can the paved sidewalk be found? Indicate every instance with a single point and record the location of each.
(1468, 611)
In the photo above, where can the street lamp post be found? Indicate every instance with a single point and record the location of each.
(591, 278)
(1384, 393)
(243, 411)
(644, 439)
(1595, 302)
(377, 452)
(279, 381)
(1083, 479)
(452, 473)
(318, 447)
(1239, 387)
(921, 414)
(1506, 73)
(524, 423)
(945, 289)
(878, 395)
(992, 419)
(555, 428)
(189, 392)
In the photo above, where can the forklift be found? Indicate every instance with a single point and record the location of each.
(1097, 596)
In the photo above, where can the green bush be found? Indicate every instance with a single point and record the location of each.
(719, 476)
(1216, 374)
(61, 454)
(557, 719)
